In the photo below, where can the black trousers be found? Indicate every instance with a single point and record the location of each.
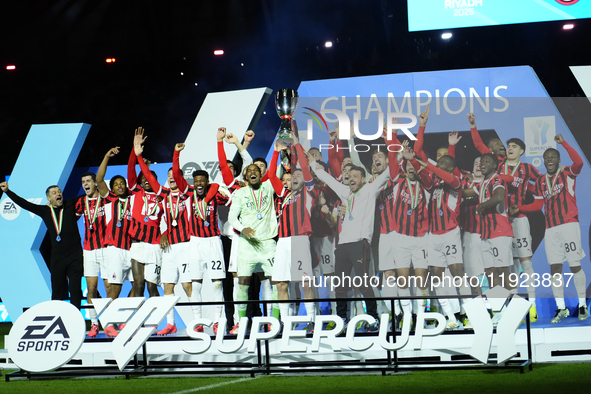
(64, 268)
(354, 255)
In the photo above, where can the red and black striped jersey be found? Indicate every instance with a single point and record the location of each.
(560, 201)
(384, 205)
(176, 207)
(444, 206)
(203, 220)
(469, 219)
(293, 213)
(119, 220)
(147, 213)
(95, 221)
(521, 173)
(495, 221)
(410, 213)
(224, 210)
(320, 227)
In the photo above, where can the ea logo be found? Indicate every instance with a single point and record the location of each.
(9, 210)
(567, 2)
(188, 170)
(537, 162)
(46, 336)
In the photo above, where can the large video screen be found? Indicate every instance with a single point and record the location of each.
(450, 14)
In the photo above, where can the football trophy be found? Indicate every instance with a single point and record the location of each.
(286, 103)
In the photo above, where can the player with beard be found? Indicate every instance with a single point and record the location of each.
(60, 217)
(517, 176)
(145, 252)
(206, 245)
(556, 193)
(117, 239)
(92, 207)
(293, 207)
(252, 214)
(495, 230)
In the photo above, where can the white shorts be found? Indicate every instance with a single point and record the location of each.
(94, 261)
(175, 264)
(472, 254)
(563, 242)
(207, 254)
(409, 249)
(118, 265)
(496, 252)
(445, 249)
(324, 248)
(386, 252)
(521, 237)
(250, 258)
(150, 255)
(292, 259)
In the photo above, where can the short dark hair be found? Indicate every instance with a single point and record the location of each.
(360, 169)
(314, 148)
(494, 158)
(323, 164)
(112, 181)
(90, 174)
(153, 173)
(552, 150)
(487, 143)
(450, 160)
(518, 142)
(204, 173)
(49, 189)
(261, 159)
(170, 169)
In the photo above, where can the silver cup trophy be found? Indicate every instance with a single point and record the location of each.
(286, 103)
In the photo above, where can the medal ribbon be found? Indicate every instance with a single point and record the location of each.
(96, 208)
(483, 186)
(200, 206)
(414, 198)
(58, 225)
(287, 198)
(351, 202)
(120, 212)
(258, 204)
(551, 185)
(146, 207)
(514, 168)
(174, 212)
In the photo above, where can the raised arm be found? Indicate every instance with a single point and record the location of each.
(248, 137)
(100, 175)
(418, 147)
(577, 165)
(131, 174)
(154, 184)
(353, 153)
(476, 136)
(303, 161)
(336, 155)
(227, 175)
(447, 177)
(21, 202)
(393, 157)
(272, 171)
(180, 180)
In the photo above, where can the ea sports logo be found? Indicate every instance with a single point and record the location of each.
(46, 336)
(9, 210)
(188, 170)
(567, 2)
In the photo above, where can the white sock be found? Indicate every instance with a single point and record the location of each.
(425, 294)
(93, 316)
(558, 290)
(310, 310)
(580, 285)
(267, 291)
(196, 297)
(241, 295)
(218, 295)
(284, 310)
(333, 305)
(405, 302)
(170, 315)
(529, 270)
(235, 298)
